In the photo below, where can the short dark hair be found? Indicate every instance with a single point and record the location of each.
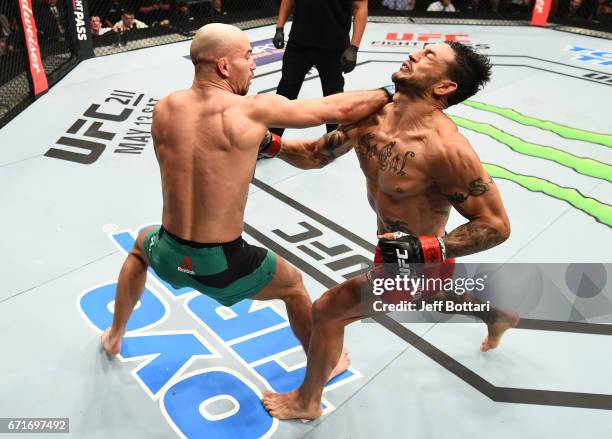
(471, 71)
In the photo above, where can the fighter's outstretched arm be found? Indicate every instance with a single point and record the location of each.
(461, 176)
(277, 111)
(312, 154)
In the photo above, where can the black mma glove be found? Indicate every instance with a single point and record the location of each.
(279, 38)
(390, 90)
(399, 255)
(348, 60)
(270, 146)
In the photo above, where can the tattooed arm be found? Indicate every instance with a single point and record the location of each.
(311, 154)
(462, 178)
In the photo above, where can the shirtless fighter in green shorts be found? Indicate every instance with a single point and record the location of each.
(207, 140)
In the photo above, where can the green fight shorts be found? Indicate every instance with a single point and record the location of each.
(228, 272)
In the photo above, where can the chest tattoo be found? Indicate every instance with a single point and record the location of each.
(388, 158)
(395, 163)
(365, 149)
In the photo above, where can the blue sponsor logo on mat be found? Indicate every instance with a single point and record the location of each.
(584, 54)
(256, 336)
(264, 52)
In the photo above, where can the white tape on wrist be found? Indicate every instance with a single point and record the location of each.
(442, 248)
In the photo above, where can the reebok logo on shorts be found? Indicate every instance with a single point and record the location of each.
(152, 242)
(186, 266)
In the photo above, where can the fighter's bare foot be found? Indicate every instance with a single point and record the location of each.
(111, 342)
(290, 406)
(343, 363)
(505, 321)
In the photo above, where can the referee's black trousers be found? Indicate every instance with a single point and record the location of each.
(298, 60)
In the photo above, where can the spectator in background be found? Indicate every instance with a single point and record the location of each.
(11, 33)
(495, 5)
(441, 6)
(589, 9)
(399, 5)
(112, 14)
(15, 38)
(95, 24)
(5, 31)
(517, 7)
(151, 12)
(604, 12)
(581, 9)
(564, 8)
(50, 20)
(216, 9)
(574, 7)
(155, 12)
(128, 22)
(5, 27)
(182, 17)
(165, 12)
(476, 6)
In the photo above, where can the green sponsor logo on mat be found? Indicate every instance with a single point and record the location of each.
(600, 211)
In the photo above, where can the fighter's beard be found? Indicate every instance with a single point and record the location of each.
(410, 87)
